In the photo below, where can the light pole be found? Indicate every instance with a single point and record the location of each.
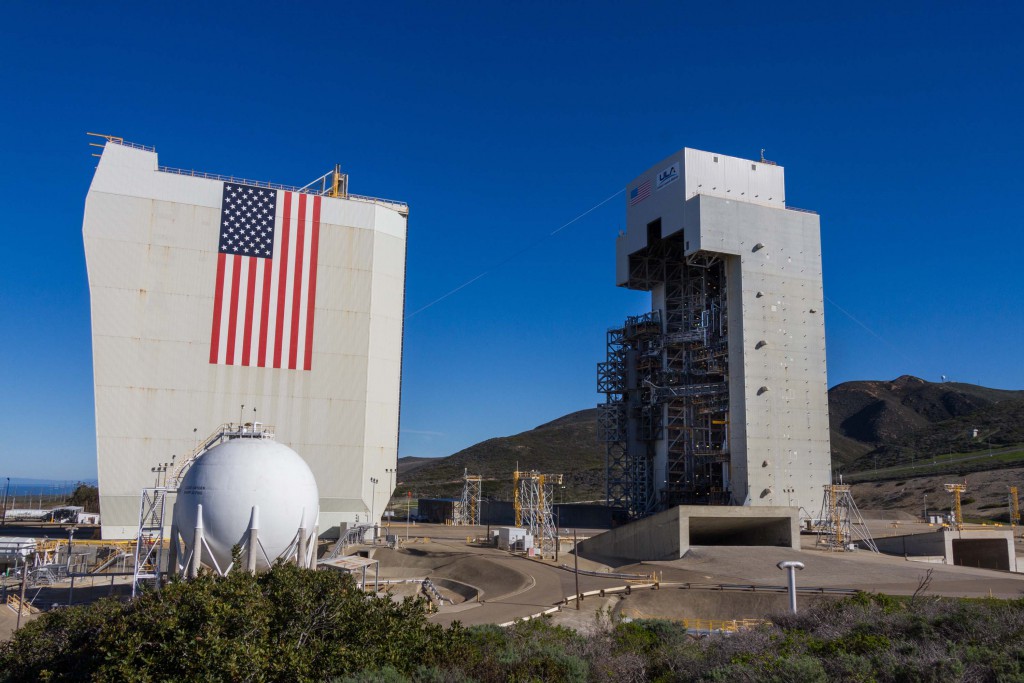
(391, 490)
(71, 586)
(373, 501)
(576, 566)
(7, 492)
(926, 507)
(791, 566)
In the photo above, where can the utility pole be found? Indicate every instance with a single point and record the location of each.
(373, 501)
(391, 490)
(71, 575)
(7, 493)
(24, 585)
(576, 566)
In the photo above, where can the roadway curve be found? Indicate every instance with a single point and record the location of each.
(545, 585)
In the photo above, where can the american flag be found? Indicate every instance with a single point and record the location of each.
(640, 193)
(266, 278)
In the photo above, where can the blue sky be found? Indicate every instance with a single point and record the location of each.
(500, 122)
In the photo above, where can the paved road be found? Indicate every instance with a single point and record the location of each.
(547, 586)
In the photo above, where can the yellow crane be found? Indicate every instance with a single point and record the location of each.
(958, 516)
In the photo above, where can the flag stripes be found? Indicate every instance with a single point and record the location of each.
(264, 303)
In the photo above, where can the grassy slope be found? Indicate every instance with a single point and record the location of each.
(875, 424)
(566, 446)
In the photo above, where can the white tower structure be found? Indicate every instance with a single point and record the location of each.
(214, 296)
(718, 395)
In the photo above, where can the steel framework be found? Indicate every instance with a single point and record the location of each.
(149, 544)
(468, 511)
(958, 515)
(533, 500)
(665, 381)
(840, 523)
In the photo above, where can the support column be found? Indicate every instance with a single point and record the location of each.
(197, 544)
(254, 540)
(172, 551)
(300, 555)
(316, 543)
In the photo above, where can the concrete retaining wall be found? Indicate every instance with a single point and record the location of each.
(668, 535)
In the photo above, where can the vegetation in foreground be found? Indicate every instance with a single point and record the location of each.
(294, 625)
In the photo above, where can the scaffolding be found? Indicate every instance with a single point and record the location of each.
(149, 543)
(958, 514)
(666, 385)
(533, 500)
(840, 524)
(467, 512)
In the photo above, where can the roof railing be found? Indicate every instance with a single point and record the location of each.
(401, 207)
(324, 190)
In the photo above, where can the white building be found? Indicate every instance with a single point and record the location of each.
(719, 394)
(302, 326)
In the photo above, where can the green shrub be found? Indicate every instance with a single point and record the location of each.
(295, 625)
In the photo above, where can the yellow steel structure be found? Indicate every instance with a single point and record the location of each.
(840, 524)
(339, 183)
(958, 516)
(833, 506)
(533, 502)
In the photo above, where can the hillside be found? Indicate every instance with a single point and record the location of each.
(874, 421)
(873, 424)
(566, 446)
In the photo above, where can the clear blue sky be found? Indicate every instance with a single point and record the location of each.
(498, 123)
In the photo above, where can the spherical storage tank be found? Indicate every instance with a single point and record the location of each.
(231, 478)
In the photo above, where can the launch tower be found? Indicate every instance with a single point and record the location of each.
(718, 394)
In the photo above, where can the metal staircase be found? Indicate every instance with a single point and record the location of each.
(149, 544)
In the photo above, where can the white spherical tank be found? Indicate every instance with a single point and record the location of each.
(231, 478)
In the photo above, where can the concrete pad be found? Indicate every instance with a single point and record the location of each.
(668, 535)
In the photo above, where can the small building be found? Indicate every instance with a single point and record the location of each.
(14, 550)
(438, 510)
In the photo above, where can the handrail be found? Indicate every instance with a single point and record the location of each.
(224, 431)
(120, 141)
(431, 590)
(401, 207)
(14, 602)
(352, 536)
(610, 575)
(398, 206)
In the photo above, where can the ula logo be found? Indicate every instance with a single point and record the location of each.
(669, 175)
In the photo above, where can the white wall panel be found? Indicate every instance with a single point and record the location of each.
(391, 223)
(151, 240)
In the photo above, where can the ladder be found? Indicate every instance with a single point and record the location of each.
(149, 543)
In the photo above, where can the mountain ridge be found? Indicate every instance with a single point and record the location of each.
(872, 422)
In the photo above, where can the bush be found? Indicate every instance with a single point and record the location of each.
(296, 625)
(286, 624)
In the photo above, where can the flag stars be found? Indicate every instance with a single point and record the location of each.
(247, 217)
